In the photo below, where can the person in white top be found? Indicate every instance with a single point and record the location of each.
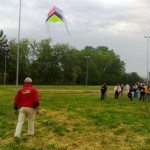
(117, 90)
(127, 88)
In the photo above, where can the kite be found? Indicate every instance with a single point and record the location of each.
(56, 15)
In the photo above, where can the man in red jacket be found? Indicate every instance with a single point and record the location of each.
(27, 101)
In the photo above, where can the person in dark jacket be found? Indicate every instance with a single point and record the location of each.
(103, 91)
(130, 93)
(142, 92)
(27, 102)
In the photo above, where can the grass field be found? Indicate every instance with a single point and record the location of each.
(74, 118)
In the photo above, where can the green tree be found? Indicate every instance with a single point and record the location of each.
(11, 62)
(63, 64)
(103, 66)
(131, 78)
(3, 54)
(70, 64)
(44, 61)
(24, 63)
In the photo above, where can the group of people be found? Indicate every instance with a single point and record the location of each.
(137, 91)
(133, 91)
(118, 90)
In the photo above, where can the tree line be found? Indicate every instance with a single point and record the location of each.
(61, 64)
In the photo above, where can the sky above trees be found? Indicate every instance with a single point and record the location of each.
(118, 24)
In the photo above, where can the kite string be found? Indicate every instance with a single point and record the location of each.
(66, 27)
(48, 30)
(67, 31)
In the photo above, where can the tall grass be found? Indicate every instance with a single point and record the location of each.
(74, 118)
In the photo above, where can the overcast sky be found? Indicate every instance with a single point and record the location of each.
(118, 24)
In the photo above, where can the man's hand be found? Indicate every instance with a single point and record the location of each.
(16, 111)
(37, 110)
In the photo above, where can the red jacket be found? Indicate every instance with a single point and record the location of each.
(27, 96)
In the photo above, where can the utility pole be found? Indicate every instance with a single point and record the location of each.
(87, 69)
(147, 37)
(17, 71)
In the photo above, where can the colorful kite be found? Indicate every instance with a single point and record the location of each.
(56, 15)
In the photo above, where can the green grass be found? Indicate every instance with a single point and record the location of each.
(73, 118)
